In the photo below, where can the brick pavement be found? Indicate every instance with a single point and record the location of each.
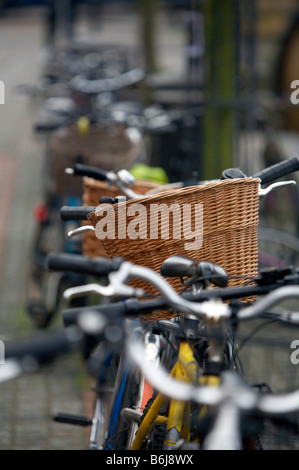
(27, 403)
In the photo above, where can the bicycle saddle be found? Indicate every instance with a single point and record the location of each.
(182, 266)
(232, 173)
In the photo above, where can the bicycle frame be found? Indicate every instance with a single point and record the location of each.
(227, 394)
(182, 386)
(186, 369)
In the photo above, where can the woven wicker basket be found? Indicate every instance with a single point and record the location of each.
(92, 192)
(106, 148)
(229, 229)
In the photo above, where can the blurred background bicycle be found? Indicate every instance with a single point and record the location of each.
(231, 63)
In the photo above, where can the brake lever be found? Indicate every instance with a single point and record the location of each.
(80, 230)
(264, 191)
(124, 181)
(106, 291)
(128, 191)
(290, 317)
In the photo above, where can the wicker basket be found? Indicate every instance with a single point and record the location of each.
(229, 229)
(92, 192)
(106, 148)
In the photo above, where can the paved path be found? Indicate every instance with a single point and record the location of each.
(27, 403)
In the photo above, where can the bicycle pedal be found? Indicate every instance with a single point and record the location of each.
(72, 419)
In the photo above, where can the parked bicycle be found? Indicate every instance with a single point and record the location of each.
(214, 346)
(198, 349)
(77, 130)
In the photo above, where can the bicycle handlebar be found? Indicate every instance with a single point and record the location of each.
(123, 179)
(278, 170)
(230, 399)
(44, 348)
(233, 394)
(232, 387)
(81, 264)
(128, 308)
(209, 308)
(82, 84)
(91, 171)
(75, 212)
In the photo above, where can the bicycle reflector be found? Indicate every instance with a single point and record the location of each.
(40, 212)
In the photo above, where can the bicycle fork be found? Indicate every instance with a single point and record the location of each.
(178, 425)
(178, 419)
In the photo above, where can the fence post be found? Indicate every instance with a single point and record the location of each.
(2, 92)
(219, 87)
(148, 10)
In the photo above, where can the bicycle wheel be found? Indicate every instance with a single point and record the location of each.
(44, 288)
(131, 394)
(277, 248)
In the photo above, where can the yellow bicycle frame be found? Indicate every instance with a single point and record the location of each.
(178, 419)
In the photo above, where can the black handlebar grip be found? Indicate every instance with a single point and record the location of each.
(107, 200)
(278, 170)
(81, 264)
(112, 312)
(232, 173)
(93, 172)
(43, 348)
(46, 126)
(131, 308)
(75, 212)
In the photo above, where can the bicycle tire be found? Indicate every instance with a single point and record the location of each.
(277, 248)
(156, 439)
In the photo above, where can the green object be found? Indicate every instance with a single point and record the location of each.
(219, 125)
(142, 171)
(148, 10)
